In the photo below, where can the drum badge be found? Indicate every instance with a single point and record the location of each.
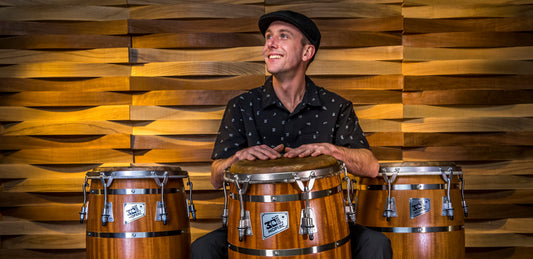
(419, 206)
(133, 211)
(273, 223)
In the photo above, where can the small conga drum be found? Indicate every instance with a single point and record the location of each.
(137, 212)
(287, 207)
(417, 205)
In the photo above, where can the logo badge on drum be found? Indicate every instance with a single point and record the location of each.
(133, 211)
(274, 222)
(419, 206)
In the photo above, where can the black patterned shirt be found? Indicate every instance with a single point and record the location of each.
(258, 117)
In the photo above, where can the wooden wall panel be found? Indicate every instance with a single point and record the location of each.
(65, 107)
(89, 83)
(467, 70)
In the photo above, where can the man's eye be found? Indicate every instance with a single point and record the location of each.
(284, 36)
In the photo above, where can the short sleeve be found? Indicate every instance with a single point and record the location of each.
(349, 132)
(230, 137)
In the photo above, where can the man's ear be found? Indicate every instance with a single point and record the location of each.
(309, 52)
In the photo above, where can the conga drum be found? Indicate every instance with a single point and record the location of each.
(137, 212)
(289, 207)
(417, 205)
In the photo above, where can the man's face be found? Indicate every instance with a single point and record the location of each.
(283, 50)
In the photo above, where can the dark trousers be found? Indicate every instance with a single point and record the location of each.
(366, 244)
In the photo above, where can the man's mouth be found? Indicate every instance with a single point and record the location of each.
(274, 56)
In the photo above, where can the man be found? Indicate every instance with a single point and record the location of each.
(290, 116)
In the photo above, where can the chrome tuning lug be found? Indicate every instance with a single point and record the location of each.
(83, 212)
(447, 207)
(245, 226)
(190, 205)
(307, 216)
(390, 203)
(225, 212)
(161, 210)
(463, 202)
(107, 212)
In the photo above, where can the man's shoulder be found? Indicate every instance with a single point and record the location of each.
(247, 96)
(324, 93)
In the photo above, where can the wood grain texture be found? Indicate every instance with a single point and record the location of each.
(104, 55)
(469, 39)
(430, 53)
(479, 82)
(197, 40)
(93, 83)
(487, 97)
(64, 98)
(186, 97)
(65, 84)
(468, 67)
(65, 13)
(468, 139)
(61, 69)
(470, 110)
(116, 141)
(197, 69)
(468, 153)
(37, 127)
(66, 156)
(117, 27)
(221, 25)
(146, 55)
(506, 24)
(64, 41)
(101, 112)
(195, 10)
(340, 10)
(241, 82)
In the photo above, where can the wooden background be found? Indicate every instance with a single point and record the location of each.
(89, 83)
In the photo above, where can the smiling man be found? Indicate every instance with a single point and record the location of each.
(290, 116)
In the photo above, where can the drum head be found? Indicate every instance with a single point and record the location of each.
(283, 169)
(137, 172)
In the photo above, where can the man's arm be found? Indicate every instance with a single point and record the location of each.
(262, 152)
(359, 161)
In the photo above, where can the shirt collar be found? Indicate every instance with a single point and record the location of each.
(310, 98)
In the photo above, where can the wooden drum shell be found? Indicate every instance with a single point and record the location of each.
(439, 244)
(173, 245)
(329, 211)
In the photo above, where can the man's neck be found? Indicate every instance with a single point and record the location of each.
(290, 90)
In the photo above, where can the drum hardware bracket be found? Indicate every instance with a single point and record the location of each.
(107, 212)
(225, 212)
(83, 212)
(447, 207)
(465, 207)
(390, 204)
(161, 210)
(349, 206)
(245, 226)
(307, 217)
(191, 211)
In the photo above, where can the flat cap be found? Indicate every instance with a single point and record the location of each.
(302, 22)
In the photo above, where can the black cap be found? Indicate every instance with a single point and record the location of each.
(302, 22)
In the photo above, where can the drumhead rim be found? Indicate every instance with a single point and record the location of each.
(283, 177)
(420, 170)
(136, 173)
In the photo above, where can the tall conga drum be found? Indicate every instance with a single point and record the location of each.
(293, 208)
(419, 206)
(137, 212)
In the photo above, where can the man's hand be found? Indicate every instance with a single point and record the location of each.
(261, 152)
(314, 149)
(359, 161)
